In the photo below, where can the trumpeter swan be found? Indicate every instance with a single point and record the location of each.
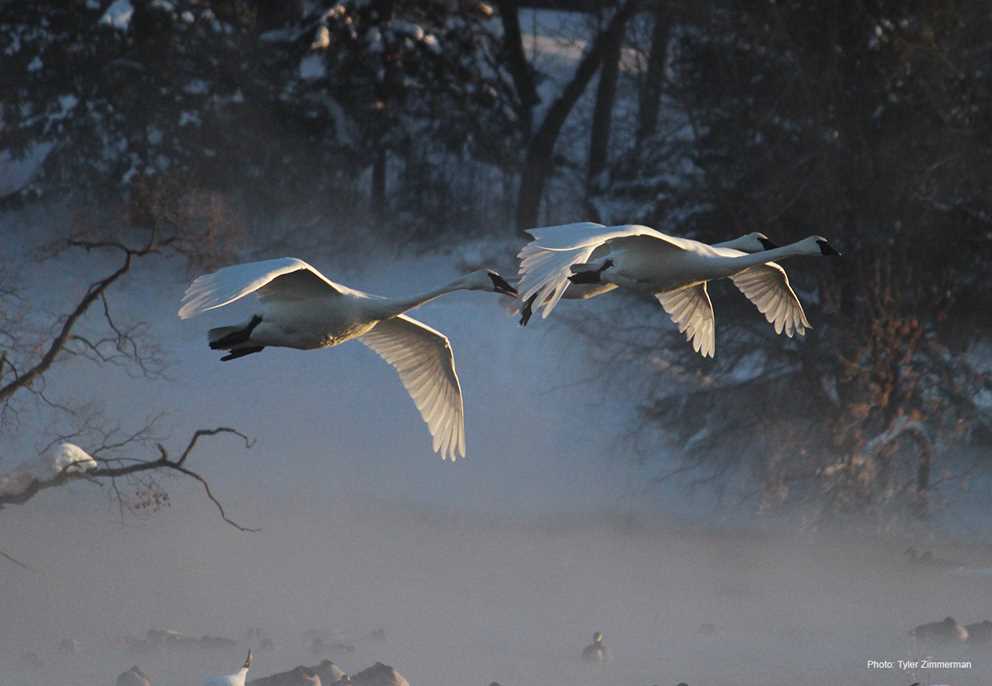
(675, 270)
(597, 650)
(301, 308)
(750, 243)
(236, 679)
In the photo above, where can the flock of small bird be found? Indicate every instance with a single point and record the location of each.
(303, 309)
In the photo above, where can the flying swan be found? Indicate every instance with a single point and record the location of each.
(301, 308)
(674, 270)
(750, 243)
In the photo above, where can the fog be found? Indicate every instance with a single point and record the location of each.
(499, 567)
(468, 598)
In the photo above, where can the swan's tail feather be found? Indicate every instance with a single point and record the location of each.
(241, 352)
(214, 336)
(229, 337)
(236, 340)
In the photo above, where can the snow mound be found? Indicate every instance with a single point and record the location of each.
(118, 15)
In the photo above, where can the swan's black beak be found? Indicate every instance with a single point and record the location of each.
(500, 285)
(827, 249)
(766, 242)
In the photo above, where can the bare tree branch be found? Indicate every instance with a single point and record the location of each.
(108, 471)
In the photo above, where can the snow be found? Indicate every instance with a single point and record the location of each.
(374, 41)
(312, 68)
(430, 41)
(63, 458)
(189, 118)
(16, 174)
(277, 36)
(118, 15)
(407, 28)
(196, 87)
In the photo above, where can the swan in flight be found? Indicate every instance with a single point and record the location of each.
(750, 243)
(236, 679)
(674, 270)
(301, 308)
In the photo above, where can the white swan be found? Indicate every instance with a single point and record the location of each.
(236, 679)
(675, 270)
(301, 308)
(750, 243)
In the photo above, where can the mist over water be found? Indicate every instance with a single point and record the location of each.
(499, 567)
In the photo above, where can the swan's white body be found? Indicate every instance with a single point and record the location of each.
(236, 679)
(303, 309)
(674, 270)
(749, 243)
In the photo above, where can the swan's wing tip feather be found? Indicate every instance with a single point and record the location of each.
(425, 362)
(767, 287)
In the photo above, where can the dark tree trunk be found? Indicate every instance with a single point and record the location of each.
(520, 69)
(387, 94)
(377, 197)
(275, 14)
(602, 118)
(539, 161)
(654, 79)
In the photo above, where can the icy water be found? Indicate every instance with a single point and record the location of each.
(468, 599)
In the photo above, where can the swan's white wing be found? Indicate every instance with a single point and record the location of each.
(284, 278)
(546, 263)
(423, 359)
(691, 310)
(570, 236)
(566, 235)
(767, 286)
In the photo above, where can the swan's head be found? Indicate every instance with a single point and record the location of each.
(247, 664)
(597, 637)
(487, 280)
(815, 245)
(757, 242)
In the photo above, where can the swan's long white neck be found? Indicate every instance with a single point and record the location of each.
(728, 266)
(741, 243)
(390, 307)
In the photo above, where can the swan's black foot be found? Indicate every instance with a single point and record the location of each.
(241, 352)
(236, 337)
(591, 276)
(527, 310)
